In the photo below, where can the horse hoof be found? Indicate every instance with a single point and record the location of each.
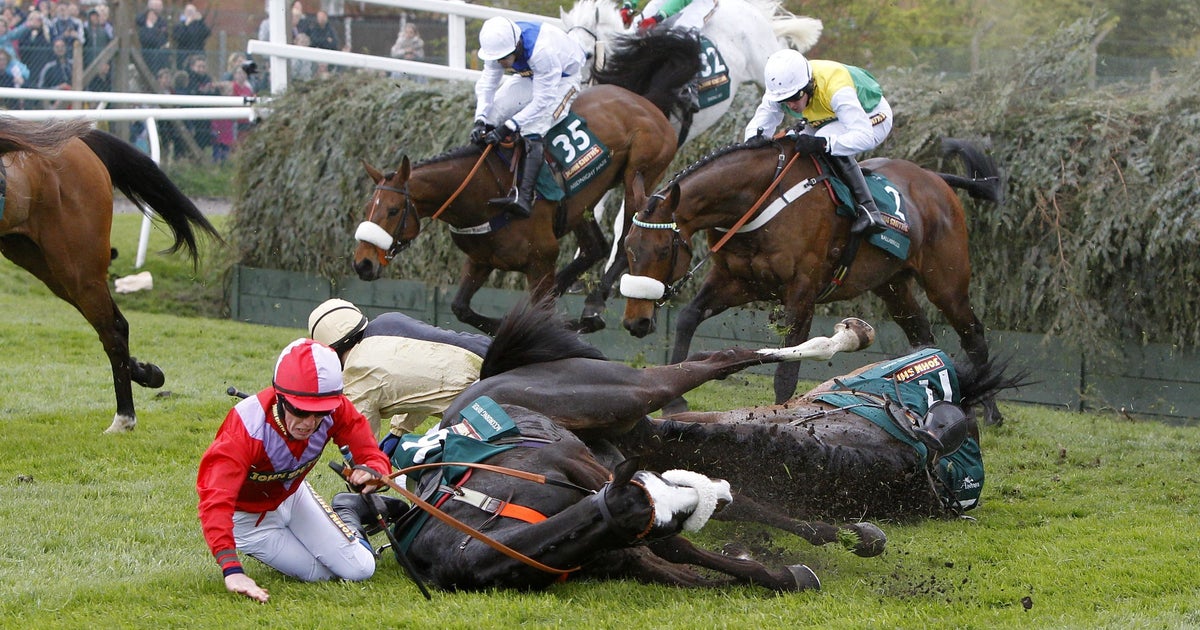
(805, 578)
(871, 540)
(591, 323)
(146, 374)
(122, 424)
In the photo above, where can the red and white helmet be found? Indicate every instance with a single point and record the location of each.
(498, 38)
(308, 375)
(785, 73)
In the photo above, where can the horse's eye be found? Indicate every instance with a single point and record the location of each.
(393, 211)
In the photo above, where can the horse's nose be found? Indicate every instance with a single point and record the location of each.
(367, 269)
(639, 327)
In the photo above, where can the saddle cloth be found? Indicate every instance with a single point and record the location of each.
(894, 240)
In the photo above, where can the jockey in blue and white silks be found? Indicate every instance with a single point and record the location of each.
(547, 66)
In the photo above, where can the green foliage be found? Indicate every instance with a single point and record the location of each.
(101, 530)
(202, 179)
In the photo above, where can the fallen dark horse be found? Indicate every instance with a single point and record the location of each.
(587, 517)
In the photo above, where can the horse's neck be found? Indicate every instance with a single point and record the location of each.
(432, 184)
(713, 197)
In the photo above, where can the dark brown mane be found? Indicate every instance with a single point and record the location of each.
(757, 142)
(453, 154)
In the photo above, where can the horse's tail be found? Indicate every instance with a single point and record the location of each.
(46, 137)
(656, 65)
(533, 332)
(140, 179)
(978, 383)
(983, 181)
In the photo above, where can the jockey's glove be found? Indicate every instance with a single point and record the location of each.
(809, 144)
(503, 133)
(649, 22)
(478, 131)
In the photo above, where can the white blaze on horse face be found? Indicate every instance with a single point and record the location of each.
(642, 287)
(369, 232)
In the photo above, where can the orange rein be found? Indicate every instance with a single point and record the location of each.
(383, 259)
(753, 209)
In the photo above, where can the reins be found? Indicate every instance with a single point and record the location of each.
(466, 180)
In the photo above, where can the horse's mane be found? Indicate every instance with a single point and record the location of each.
(756, 142)
(452, 154)
(977, 383)
(44, 137)
(533, 332)
(655, 64)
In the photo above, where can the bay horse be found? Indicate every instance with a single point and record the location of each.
(798, 257)
(544, 377)
(56, 219)
(450, 187)
(741, 34)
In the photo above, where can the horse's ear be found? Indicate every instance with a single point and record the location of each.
(672, 198)
(405, 169)
(625, 471)
(373, 173)
(639, 193)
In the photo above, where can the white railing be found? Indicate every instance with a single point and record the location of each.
(279, 50)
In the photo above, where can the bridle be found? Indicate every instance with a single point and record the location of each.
(409, 210)
(678, 243)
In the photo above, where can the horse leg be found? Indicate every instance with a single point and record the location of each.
(592, 246)
(700, 308)
(474, 274)
(863, 539)
(677, 549)
(951, 299)
(902, 305)
(93, 300)
(798, 324)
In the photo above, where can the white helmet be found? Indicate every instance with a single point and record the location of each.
(498, 38)
(334, 322)
(786, 72)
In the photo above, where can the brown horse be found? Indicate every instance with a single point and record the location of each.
(798, 257)
(56, 220)
(642, 142)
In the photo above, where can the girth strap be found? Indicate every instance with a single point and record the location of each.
(492, 505)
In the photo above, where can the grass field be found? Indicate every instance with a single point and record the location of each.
(1087, 521)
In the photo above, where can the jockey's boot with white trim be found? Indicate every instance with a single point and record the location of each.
(869, 219)
(519, 203)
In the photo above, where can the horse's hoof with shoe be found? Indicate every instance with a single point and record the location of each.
(871, 540)
(806, 579)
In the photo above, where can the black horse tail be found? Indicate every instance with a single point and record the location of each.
(978, 383)
(983, 180)
(140, 179)
(46, 137)
(656, 65)
(533, 332)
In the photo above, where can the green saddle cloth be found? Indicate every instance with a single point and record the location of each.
(894, 240)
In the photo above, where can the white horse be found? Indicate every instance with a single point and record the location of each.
(743, 33)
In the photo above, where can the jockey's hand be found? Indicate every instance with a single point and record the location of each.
(649, 22)
(242, 584)
(478, 131)
(627, 12)
(502, 134)
(809, 144)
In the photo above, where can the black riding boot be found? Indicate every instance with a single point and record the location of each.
(352, 508)
(520, 200)
(869, 220)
